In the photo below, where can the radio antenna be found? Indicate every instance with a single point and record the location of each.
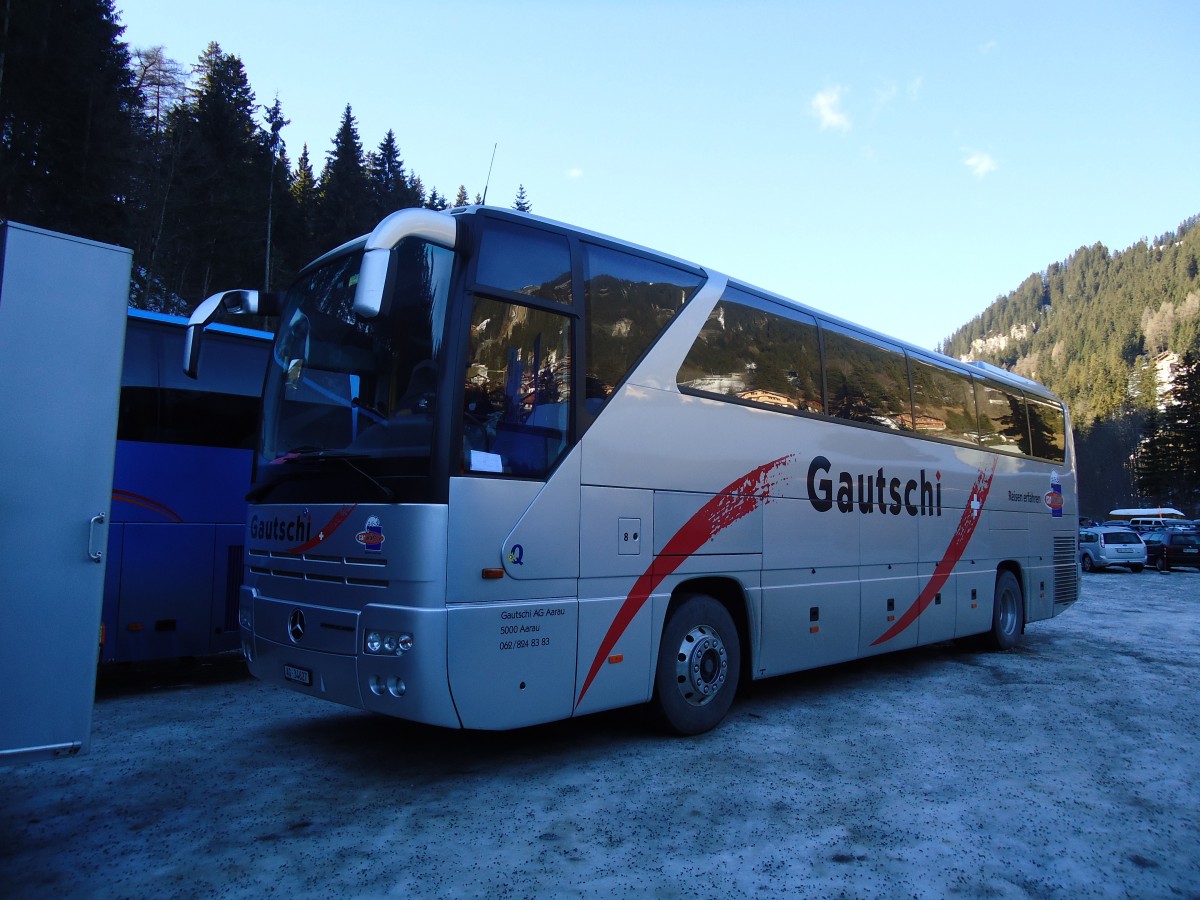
(489, 177)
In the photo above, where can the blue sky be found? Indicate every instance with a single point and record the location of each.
(898, 164)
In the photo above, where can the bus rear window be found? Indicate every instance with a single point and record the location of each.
(1047, 429)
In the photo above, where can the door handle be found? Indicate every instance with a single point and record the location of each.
(94, 553)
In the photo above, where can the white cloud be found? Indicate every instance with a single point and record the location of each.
(988, 47)
(980, 164)
(575, 173)
(826, 106)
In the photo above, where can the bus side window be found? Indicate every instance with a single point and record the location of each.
(866, 382)
(1003, 422)
(516, 415)
(629, 301)
(944, 403)
(751, 350)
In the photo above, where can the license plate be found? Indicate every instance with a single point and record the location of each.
(298, 675)
(1190, 550)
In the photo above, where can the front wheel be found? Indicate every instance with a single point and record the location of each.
(1008, 613)
(699, 662)
(1087, 564)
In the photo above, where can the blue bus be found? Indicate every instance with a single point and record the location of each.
(185, 449)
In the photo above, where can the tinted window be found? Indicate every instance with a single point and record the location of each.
(201, 418)
(629, 301)
(866, 382)
(1047, 429)
(943, 403)
(525, 261)
(753, 350)
(1003, 424)
(517, 401)
(1122, 537)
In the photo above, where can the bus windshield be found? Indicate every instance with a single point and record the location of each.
(361, 388)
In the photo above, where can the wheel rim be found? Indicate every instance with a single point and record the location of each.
(1008, 612)
(701, 666)
(1087, 563)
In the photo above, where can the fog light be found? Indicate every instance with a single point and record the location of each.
(389, 643)
(405, 643)
(374, 641)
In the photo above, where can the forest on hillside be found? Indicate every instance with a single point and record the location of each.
(1116, 335)
(182, 164)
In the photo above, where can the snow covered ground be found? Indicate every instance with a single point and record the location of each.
(1065, 768)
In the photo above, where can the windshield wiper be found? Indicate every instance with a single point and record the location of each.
(315, 454)
(387, 492)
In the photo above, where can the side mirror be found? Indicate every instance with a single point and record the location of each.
(217, 307)
(431, 225)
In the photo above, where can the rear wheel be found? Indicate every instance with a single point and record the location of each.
(1162, 565)
(1136, 567)
(699, 661)
(1008, 613)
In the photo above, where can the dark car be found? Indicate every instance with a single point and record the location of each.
(1165, 550)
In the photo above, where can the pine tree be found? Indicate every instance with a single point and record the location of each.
(215, 214)
(1150, 463)
(345, 209)
(161, 82)
(389, 183)
(69, 118)
(275, 146)
(462, 199)
(1181, 421)
(522, 203)
(305, 197)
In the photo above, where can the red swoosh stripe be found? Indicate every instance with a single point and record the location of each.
(734, 502)
(330, 527)
(954, 552)
(146, 503)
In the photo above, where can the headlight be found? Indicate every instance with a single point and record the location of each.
(388, 643)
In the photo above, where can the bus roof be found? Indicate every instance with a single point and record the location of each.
(984, 370)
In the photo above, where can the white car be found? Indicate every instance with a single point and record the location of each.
(1105, 546)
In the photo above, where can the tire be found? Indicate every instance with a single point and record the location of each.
(699, 664)
(1136, 567)
(1162, 565)
(1008, 613)
(1086, 563)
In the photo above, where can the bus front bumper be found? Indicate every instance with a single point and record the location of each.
(326, 653)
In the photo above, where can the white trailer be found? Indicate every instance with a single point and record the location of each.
(62, 336)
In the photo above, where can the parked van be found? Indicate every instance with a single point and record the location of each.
(1148, 523)
(1105, 546)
